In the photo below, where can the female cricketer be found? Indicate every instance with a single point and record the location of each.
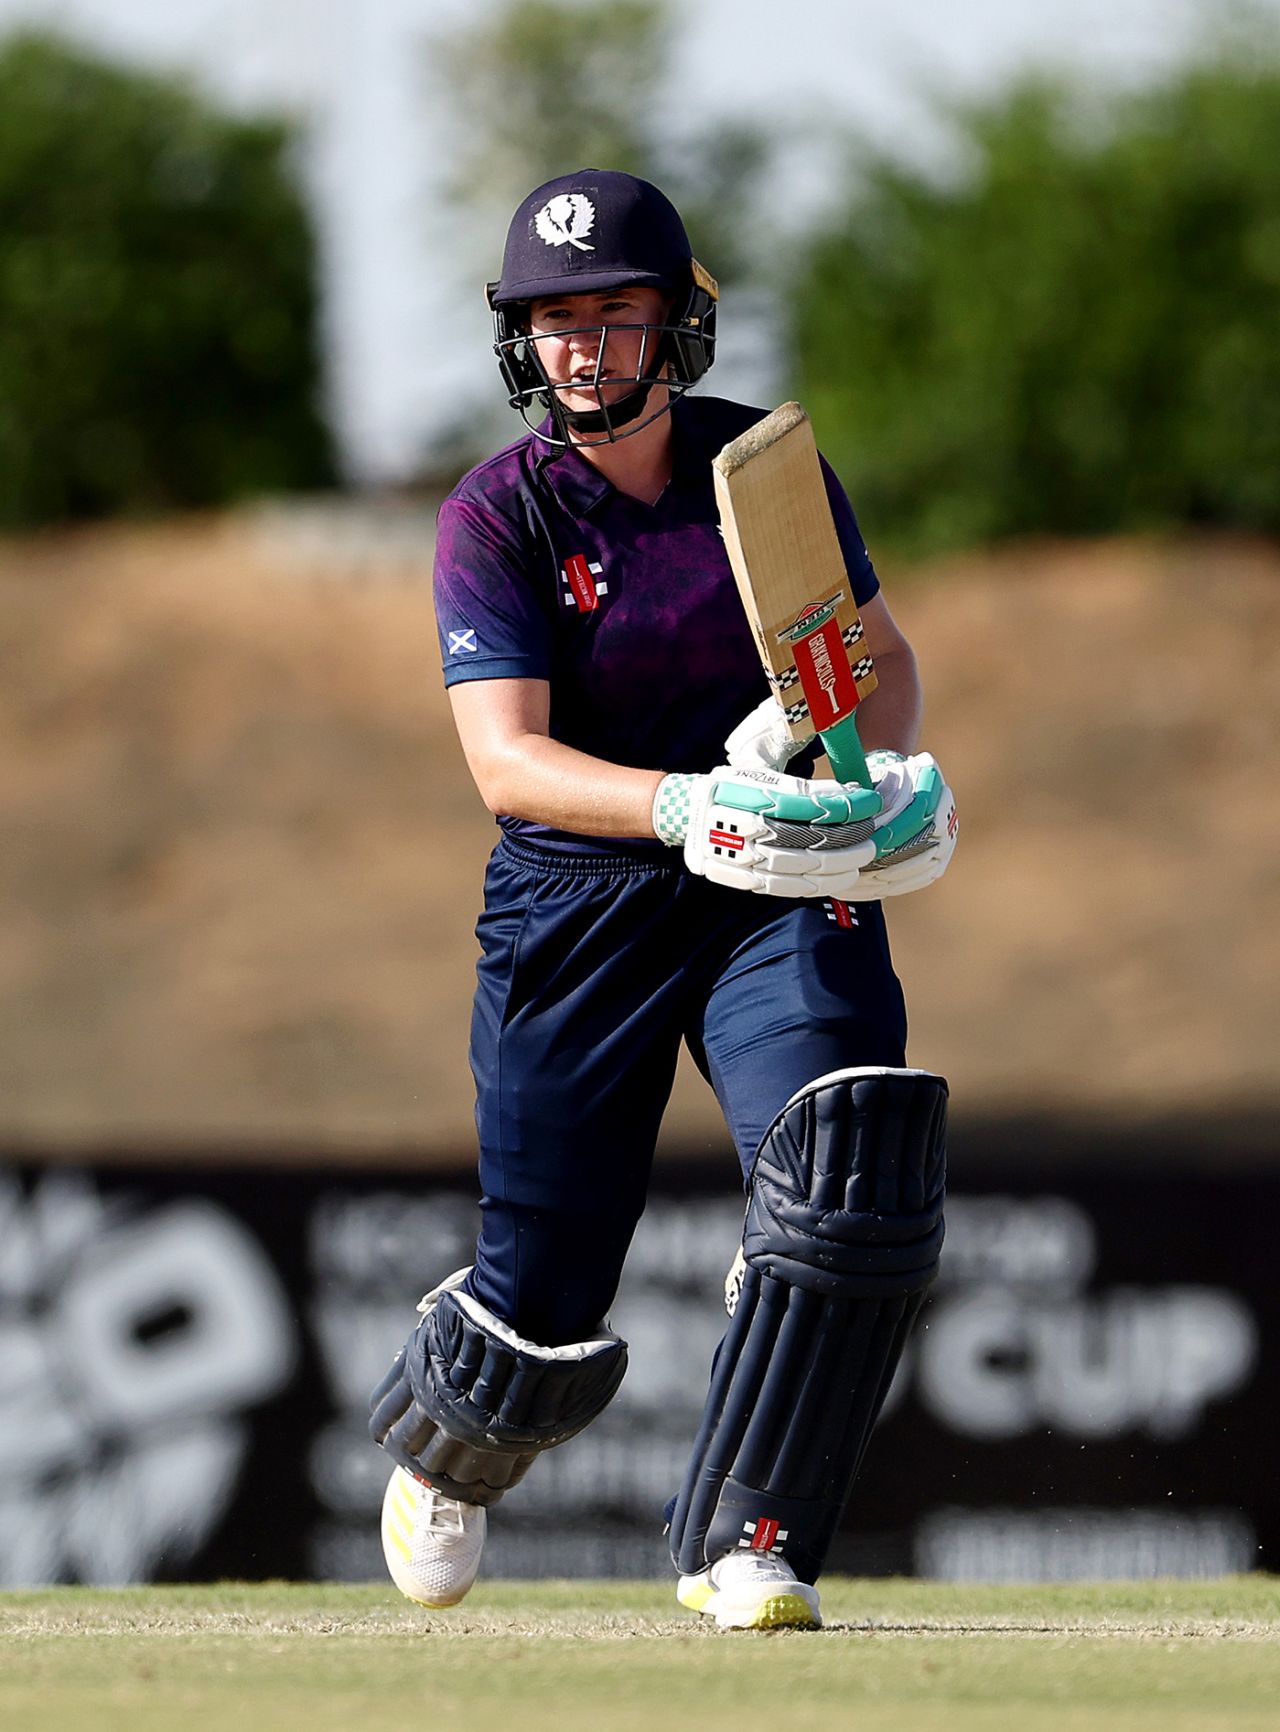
(662, 875)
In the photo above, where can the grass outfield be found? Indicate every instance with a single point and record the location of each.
(612, 1657)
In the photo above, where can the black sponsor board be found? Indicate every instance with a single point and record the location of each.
(185, 1356)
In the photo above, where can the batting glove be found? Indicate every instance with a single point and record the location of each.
(914, 833)
(771, 833)
(762, 740)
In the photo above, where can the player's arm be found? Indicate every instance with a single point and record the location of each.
(889, 717)
(729, 829)
(522, 772)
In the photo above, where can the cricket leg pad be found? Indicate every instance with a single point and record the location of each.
(842, 1239)
(468, 1405)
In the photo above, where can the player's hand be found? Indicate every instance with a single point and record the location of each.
(764, 831)
(915, 831)
(762, 740)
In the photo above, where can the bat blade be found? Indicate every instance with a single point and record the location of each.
(791, 575)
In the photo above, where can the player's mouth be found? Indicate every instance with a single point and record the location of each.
(599, 388)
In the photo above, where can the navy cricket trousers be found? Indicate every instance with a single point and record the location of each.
(593, 969)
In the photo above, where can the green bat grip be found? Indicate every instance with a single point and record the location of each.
(844, 749)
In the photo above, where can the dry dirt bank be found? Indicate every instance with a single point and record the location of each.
(241, 856)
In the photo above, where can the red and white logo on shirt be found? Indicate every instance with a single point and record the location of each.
(581, 578)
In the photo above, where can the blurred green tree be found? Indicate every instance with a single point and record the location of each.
(1078, 331)
(157, 299)
(538, 88)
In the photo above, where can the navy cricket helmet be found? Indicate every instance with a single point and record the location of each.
(582, 234)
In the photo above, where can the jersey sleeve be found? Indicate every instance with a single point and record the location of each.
(487, 614)
(862, 574)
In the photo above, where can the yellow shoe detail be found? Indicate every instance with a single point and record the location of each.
(785, 1612)
(744, 1592)
(432, 1543)
(694, 1592)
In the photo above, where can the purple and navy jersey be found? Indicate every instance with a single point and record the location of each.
(545, 571)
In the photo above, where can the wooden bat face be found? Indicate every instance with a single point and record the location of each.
(791, 575)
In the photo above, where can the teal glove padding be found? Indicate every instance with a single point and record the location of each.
(915, 833)
(767, 832)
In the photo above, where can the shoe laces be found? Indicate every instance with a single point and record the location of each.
(440, 1514)
(754, 1566)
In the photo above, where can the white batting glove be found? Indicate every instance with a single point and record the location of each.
(915, 832)
(762, 740)
(764, 831)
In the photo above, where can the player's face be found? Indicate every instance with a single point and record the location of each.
(595, 346)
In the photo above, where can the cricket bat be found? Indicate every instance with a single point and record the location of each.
(791, 576)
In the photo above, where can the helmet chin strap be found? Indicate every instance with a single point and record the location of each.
(626, 410)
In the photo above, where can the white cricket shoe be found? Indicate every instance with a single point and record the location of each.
(751, 1591)
(432, 1543)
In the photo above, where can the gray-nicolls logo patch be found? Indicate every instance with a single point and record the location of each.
(569, 216)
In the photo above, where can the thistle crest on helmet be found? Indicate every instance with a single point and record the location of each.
(570, 216)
